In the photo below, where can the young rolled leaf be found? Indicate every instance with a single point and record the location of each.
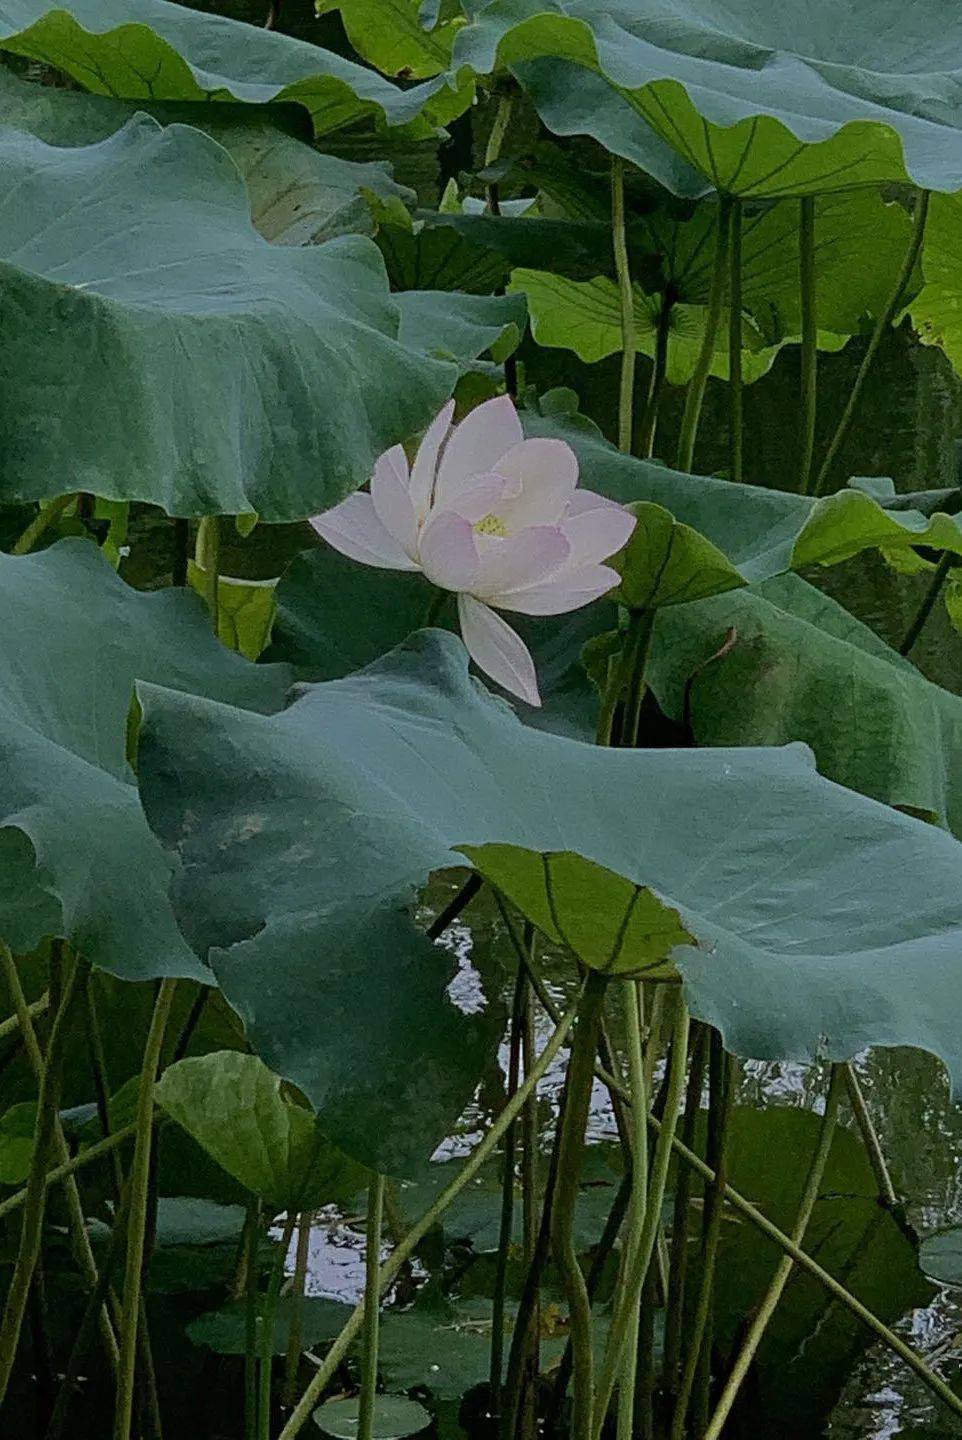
(232, 1105)
(751, 99)
(607, 922)
(139, 252)
(667, 563)
(372, 781)
(155, 50)
(76, 856)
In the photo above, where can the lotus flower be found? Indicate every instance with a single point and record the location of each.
(492, 517)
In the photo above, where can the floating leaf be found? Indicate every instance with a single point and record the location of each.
(748, 98)
(232, 1105)
(604, 920)
(224, 1331)
(140, 253)
(940, 1255)
(767, 863)
(77, 857)
(154, 50)
(394, 1418)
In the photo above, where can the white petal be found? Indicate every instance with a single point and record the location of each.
(353, 528)
(497, 650)
(583, 500)
(448, 553)
(520, 560)
(477, 444)
(542, 475)
(480, 499)
(392, 499)
(425, 465)
(568, 591)
(597, 533)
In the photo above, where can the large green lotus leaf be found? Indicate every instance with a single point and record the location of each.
(155, 50)
(76, 856)
(585, 316)
(758, 99)
(227, 375)
(297, 195)
(224, 1331)
(825, 921)
(667, 563)
(395, 36)
(803, 668)
(936, 311)
(232, 1105)
(460, 327)
(812, 1345)
(607, 922)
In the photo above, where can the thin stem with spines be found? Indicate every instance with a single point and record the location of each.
(626, 304)
(372, 1309)
(736, 419)
(695, 395)
(809, 349)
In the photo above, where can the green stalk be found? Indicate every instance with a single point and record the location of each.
(251, 1230)
(656, 386)
(736, 418)
(507, 1205)
(31, 1230)
(372, 1311)
(773, 1294)
(207, 558)
(809, 351)
(268, 1318)
(770, 1230)
(41, 523)
(13, 1024)
(870, 1139)
(529, 1201)
(696, 1359)
(630, 1297)
(581, 1073)
(633, 995)
(640, 625)
(90, 1156)
(402, 1253)
(678, 1273)
(139, 1182)
(695, 395)
(295, 1342)
(928, 602)
(881, 327)
(626, 300)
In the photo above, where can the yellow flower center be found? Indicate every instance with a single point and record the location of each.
(491, 525)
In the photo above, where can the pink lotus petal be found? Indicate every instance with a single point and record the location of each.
(392, 499)
(480, 499)
(448, 552)
(520, 560)
(476, 445)
(353, 528)
(497, 650)
(542, 475)
(569, 591)
(424, 469)
(583, 500)
(597, 533)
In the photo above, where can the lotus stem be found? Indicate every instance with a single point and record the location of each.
(640, 625)
(252, 1222)
(809, 352)
(678, 1273)
(181, 555)
(139, 1182)
(626, 300)
(695, 395)
(31, 1230)
(697, 1358)
(268, 1318)
(13, 1023)
(882, 324)
(41, 523)
(736, 417)
(529, 1200)
(507, 1202)
(783, 1270)
(402, 1253)
(656, 385)
(452, 910)
(870, 1139)
(207, 559)
(295, 1341)
(630, 1297)
(372, 1310)
(928, 603)
(89, 1156)
(634, 999)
